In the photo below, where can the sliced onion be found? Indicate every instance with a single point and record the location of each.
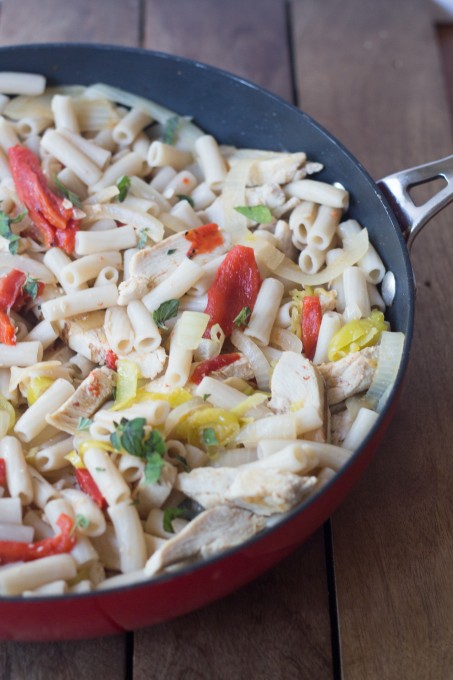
(255, 356)
(286, 340)
(390, 353)
(355, 248)
(190, 329)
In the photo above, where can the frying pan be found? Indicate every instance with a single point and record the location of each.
(239, 113)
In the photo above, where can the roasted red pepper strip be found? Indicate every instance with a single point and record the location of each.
(206, 367)
(203, 239)
(311, 321)
(89, 486)
(236, 286)
(7, 330)
(2, 472)
(110, 359)
(11, 288)
(13, 551)
(46, 209)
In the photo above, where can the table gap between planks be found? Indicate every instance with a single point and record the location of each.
(373, 67)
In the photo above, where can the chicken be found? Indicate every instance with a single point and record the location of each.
(157, 262)
(238, 369)
(211, 532)
(266, 194)
(350, 375)
(90, 395)
(265, 491)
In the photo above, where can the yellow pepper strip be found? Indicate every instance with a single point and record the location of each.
(5, 405)
(75, 460)
(126, 384)
(225, 425)
(176, 397)
(37, 387)
(250, 402)
(356, 335)
(92, 443)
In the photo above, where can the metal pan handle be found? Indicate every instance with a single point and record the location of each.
(396, 189)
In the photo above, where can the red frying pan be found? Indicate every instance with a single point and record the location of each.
(239, 113)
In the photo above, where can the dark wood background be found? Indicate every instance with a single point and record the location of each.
(370, 596)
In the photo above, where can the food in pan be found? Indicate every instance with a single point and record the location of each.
(192, 338)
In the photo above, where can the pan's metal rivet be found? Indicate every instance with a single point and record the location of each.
(388, 288)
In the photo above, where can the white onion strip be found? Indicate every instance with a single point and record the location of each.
(390, 353)
(355, 248)
(255, 357)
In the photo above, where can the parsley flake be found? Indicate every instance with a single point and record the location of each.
(170, 130)
(123, 184)
(31, 287)
(167, 310)
(209, 437)
(67, 193)
(256, 213)
(6, 232)
(171, 251)
(184, 197)
(82, 521)
(206, 397)
(143, 239)
(84, 424)
(169, 515)
(243, 317)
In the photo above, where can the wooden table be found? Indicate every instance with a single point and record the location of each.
(370, 596)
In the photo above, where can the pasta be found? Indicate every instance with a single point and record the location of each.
(190, 339)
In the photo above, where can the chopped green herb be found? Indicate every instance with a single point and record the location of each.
(99, 469)
(67, 193)
(31, 287)
(256, 213)
(84, 423)
(19, 218)
(170, 130)
(6, 232)
(209, 437)
(243, 317)
(143, 240)
(82, 521)
(167, 310)
(169, 515)
(183, 462)
(123, 185)
(171, 251)
(130, 436)
(206, 397)
(184, 197)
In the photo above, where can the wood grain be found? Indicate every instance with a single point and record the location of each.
(382, 93)
(244, 37)
(276, 628)
(101, 21)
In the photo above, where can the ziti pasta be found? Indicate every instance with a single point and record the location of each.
(192, 338)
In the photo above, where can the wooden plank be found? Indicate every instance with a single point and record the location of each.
(105, 22)
(239, 36)
(276, 628)
(370, 72)
(87, 659)
(445, 36)
(102, 21)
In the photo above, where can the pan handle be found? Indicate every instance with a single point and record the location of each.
(396, 189)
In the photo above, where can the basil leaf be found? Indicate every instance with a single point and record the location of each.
(170, 130)
(243, 317)
(256, 213)
(31, 287)
(67, 193)
(84, 423)
(13, 246)
(123, 184)
(169, 515)
(19, 218)
(6, 232)
(153, 467)
(167, 310)
(209, 437)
